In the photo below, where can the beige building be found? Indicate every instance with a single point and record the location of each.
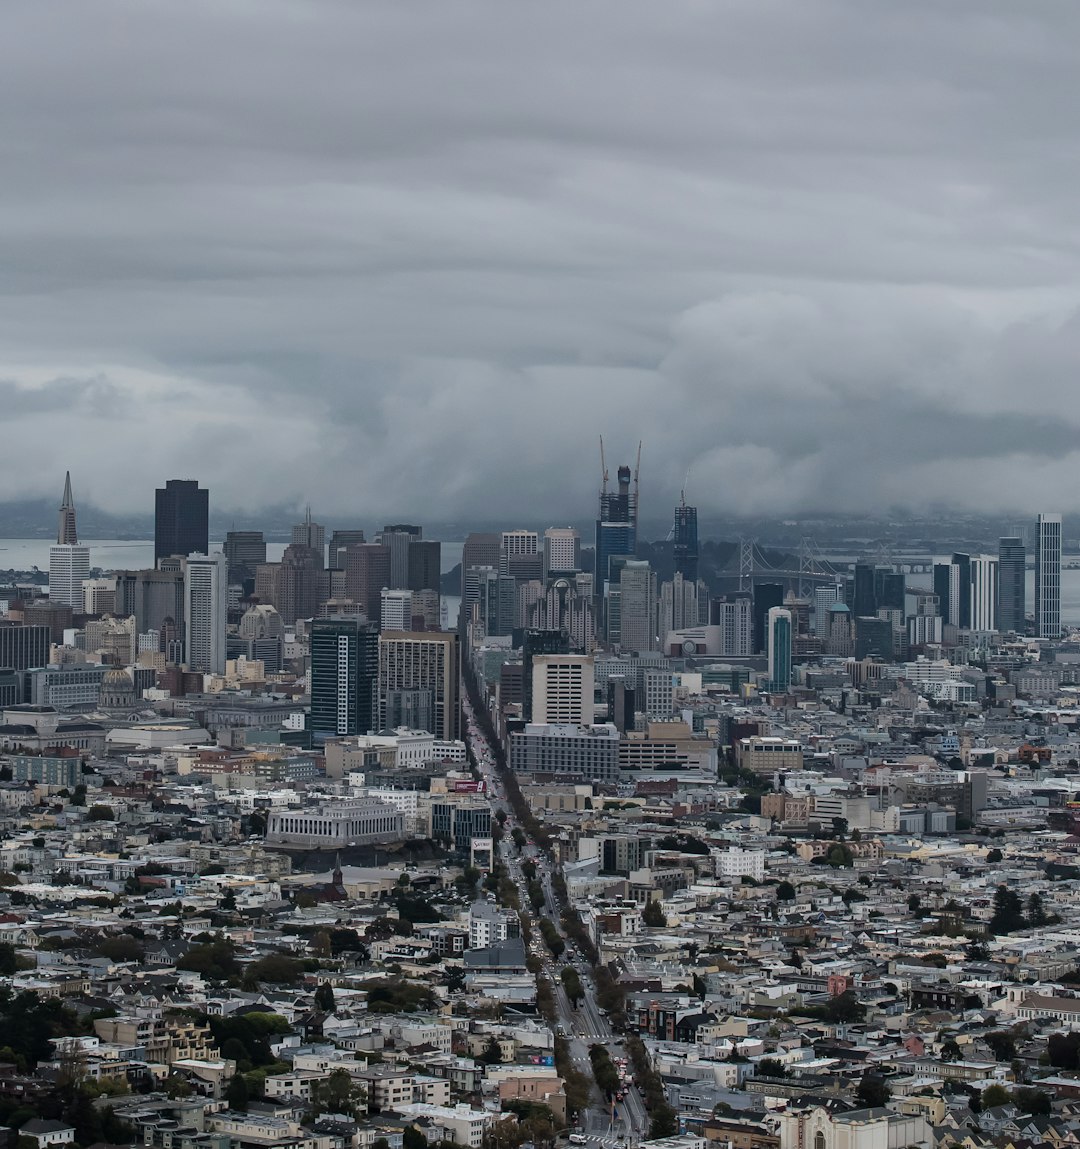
(880, 1128)
(766, 755)
(562, 689)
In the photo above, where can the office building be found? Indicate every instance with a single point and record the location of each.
(562, 551)
(577, 753)
(824, 597)
(181, 519)
(952, 585)
(23, 647)
(396, 609)
(154, 597)
(562, 689)
(344, 677)
(889, 589)
(302, 584)
(245, 549)
(1012, 564)
(64, 687)
(69, 563)
(658, 693)
(637, 606)
(424, 565)
(520, 556)
(397, 537)
(1048, 576)
(735, 618)
(422, 661)
(984, 593)
(55, 616)
(622, 703)
(682, 605)
(99, 595)
(875, 638)
(340, 541)
(367, 571)
(766, 596)
(685, 542)
(479, 550)
(779, 628)
(313, 536)
(533, 644)
(863, 601)
(205, 612)
(69, 568)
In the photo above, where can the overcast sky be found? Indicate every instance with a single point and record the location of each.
(413, 259)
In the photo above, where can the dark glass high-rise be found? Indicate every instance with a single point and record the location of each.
(181, 519)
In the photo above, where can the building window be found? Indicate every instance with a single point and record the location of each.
(819, 1140)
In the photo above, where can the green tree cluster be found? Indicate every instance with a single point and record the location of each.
(653, 914)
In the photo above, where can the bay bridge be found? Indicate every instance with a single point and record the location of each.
(812, 568)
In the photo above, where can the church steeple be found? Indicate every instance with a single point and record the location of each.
(66, 534)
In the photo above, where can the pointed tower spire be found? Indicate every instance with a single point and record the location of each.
(66, 534)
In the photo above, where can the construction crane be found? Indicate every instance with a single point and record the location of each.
(603, 467)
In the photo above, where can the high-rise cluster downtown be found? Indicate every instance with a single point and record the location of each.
(367, 615)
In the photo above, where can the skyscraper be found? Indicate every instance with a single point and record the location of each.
(181, 519)
(864, 603)
(637, 604)
(245, 549)
(766, 596)
(206, 604)
(616, 526)
(1048, 576)
(947, 588)
(535, 643)
(1012, 561)
(66, 534)
(778, 624)
(984, 592)
(963, 564)
(424, 565)
(562, 551)
(824, 598)
(562, 690)
(69, 563)
(396, 609)
(302, 583)
(419, 662)
(367, 571)
(685, 542)
(313, 536)
(396, 537)
(339, 542)
(344, 677)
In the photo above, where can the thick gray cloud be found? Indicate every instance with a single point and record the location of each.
(401, 259)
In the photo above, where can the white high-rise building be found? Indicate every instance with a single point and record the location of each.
(396, 609)
(562, 689)
(1048, 576)
(735, 618)
(562, 550)
(69, 567)
(984, 592)
(206, 583)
